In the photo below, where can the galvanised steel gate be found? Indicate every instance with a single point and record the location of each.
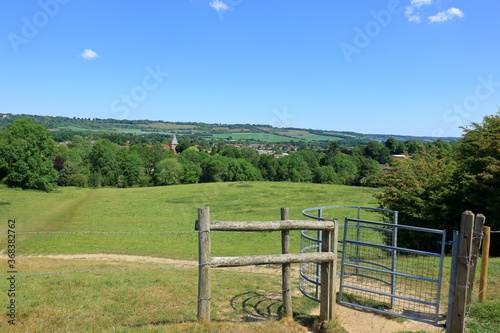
(378, 275)
(311, 240)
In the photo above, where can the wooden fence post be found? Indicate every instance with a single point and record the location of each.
(204, 257)
(327, 297)
(286, 273)
(484, 264)
(462, 281)
(476, 244)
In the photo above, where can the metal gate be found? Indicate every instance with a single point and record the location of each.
(379, 275)
(310, 273)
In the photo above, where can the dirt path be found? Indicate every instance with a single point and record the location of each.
(152, 260)
(359, 321)
(353, 320)
(118, 258)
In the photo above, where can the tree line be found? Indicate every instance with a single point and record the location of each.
(31, 159)
(433, 188)
(431, 185)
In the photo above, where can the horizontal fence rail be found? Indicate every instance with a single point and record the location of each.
(160, 306)
(328, 257)
(275, 259)
(270, 225)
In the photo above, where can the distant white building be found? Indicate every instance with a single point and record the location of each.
(264, 151)
(399, 157)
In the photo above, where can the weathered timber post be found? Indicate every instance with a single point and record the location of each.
(327, 257)
(204, 257)
(328, 276)
(462, 281)
(286, 273)
(476, 244)
(484, 264)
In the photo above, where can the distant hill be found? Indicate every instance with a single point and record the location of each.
(254, 132)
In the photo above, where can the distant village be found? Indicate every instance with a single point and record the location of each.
(262, 149)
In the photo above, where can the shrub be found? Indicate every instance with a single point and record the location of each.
(78, 180)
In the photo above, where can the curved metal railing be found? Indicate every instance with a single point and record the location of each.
(310, 277)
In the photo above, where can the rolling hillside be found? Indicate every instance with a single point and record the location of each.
(263, 133)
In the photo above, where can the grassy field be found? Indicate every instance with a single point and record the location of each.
(148, 297)
(241, 295)
(169, 126)
(160, 209)
(74, 128)
(314, 137)
(133, 131)
(276, 138)
(255, 136)
(485, 317)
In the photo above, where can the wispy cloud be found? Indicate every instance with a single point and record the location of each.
(419, 3)
(413, 10)
(219, 5)
(446, 15)
(88, 54)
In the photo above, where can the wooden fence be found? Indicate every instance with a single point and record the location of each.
(328, 258)
(469, 242)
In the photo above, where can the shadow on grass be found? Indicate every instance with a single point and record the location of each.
(258, 307)
(250, 307)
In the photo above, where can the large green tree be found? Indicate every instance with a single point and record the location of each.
(168, 172)
(130, 166)
(103, 162)
(423, 189)
(26, 156)
(479, 157)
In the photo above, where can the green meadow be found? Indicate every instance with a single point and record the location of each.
(120, 130)
(136, 296)
(315, 137)
(254, 136)
(163, 209)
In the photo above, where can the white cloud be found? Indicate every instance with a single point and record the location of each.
(218, 5)
(88, 54)
(446, 15)
(420, 3)
(415, 18)
(412, 11)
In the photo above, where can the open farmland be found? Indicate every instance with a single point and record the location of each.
(148, 282)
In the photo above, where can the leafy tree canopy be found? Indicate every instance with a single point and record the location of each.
(26, 156)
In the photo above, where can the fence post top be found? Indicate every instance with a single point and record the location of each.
(468, 212)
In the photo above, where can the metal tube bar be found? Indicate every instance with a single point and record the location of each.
(318, 266)
(400, 249)
(343, 260)
(394, 255)
(453, 279)
(396, 273)
(436, 318)
(393, 314)
(399, 226)
(390, 295)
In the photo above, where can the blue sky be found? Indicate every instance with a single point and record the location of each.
(415, 67)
